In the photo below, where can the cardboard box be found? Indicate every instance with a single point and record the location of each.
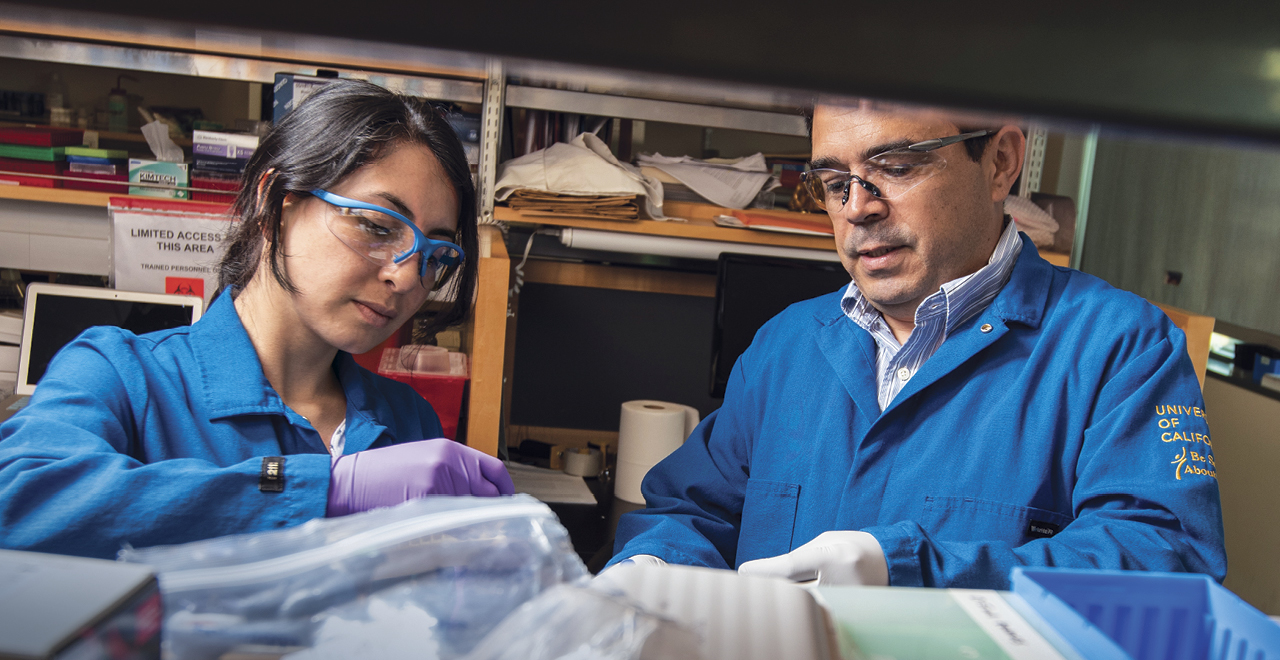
(161, 173)
(53, 606)
(223, 145)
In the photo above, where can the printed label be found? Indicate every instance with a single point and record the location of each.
(1042, 529)
(1194, 458)
(272, 478)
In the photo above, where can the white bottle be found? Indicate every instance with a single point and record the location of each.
(56, 97)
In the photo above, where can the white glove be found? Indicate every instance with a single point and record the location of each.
(834, 558)
(642, 560)
(639, 560)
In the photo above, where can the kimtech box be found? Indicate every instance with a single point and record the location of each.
(161, 176)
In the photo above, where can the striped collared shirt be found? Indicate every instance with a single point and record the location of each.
(938, 316)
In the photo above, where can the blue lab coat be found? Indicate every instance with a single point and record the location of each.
(159, 439)
(1062, 426)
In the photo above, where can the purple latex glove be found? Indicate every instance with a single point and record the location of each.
(390, 475)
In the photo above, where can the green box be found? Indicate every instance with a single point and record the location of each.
(90, 152)
(32, 153)
(160, 173)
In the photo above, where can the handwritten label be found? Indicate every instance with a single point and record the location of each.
(998, 619)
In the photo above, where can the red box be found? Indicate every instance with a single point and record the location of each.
(99, 187)
(231, 184)
(216, 198)
(32, 166)
(38, 182)
(42, 136)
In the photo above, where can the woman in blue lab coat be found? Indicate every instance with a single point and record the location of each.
(355, 207)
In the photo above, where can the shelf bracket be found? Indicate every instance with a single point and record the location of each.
(495, 85)
(1033, 161)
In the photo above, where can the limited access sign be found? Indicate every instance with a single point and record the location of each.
(167, 247)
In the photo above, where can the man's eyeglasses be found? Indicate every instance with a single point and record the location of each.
(386, 237)
(888, 175)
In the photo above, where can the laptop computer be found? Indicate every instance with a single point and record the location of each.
(57, 313)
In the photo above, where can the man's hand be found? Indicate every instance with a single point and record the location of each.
(834, 558)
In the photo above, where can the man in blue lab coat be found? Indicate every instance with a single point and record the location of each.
(963, 407)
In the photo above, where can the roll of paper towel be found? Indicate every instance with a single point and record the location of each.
(647, 432)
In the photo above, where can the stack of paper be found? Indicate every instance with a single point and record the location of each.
(537, 202)
(732, 184)
(577, 178)
(672, 189)
(550, 486)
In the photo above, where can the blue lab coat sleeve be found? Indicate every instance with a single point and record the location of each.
(1142, 499)
(160, 439)
(75, 479)
(1062, 426)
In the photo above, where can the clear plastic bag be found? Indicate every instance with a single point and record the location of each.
(459, 564)
(586, 622)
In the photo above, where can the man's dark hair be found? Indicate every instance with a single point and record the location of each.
(342, 127)
(975, 147)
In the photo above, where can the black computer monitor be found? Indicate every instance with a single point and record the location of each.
(750, 290)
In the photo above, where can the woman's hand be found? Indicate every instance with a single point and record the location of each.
(390, 475)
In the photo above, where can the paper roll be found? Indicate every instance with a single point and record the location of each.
(647, 432)
(581, 465)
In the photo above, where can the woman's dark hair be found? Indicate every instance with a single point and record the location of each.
(341, 127)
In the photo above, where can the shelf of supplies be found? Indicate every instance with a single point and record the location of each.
(105, 136)
(70, 196)
(698, 226)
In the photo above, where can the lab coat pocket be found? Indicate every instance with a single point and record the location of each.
(973, 519)
(768, 519)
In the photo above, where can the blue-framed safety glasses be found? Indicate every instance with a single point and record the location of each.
(386, 237)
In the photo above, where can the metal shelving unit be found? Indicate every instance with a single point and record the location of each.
(226, 67)
(646, 109)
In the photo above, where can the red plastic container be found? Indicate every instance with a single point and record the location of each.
(444, 391)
